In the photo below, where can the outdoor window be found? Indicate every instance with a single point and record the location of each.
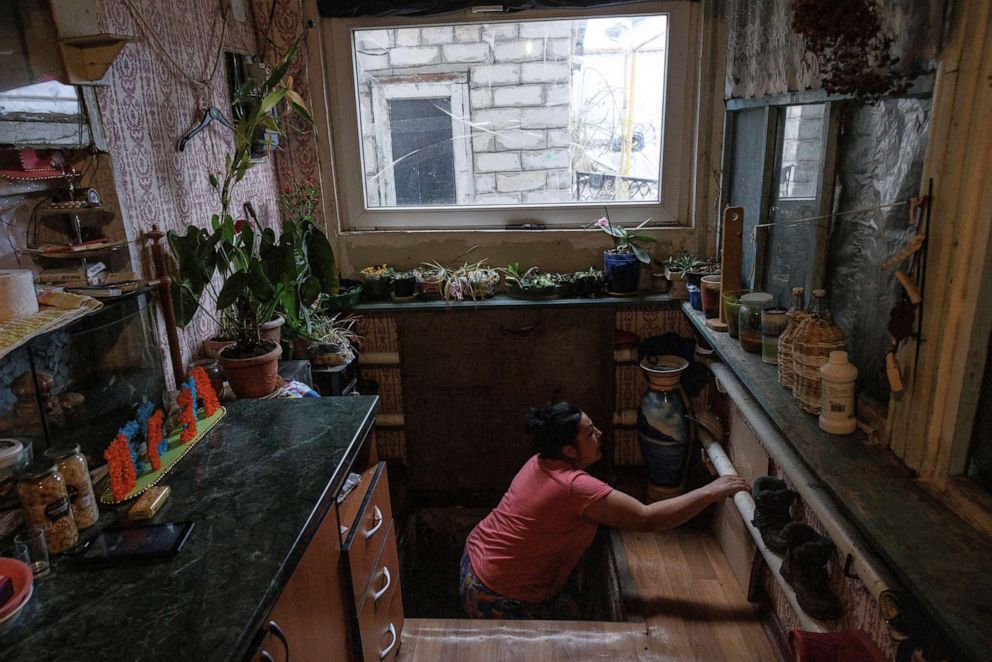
(480, 123)
(802, 151)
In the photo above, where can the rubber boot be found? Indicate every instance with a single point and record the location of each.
(772, 501)
(804, 569)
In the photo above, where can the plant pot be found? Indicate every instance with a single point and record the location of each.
(660, 283)
(252, 377)
(530, 293)
(429, 287)
(329, 353)
(301, 349)
(212, 346)
(678, 290)
(404, 287)
(694, 277)
(622, 272)
(347, 297)
(565, 290)
(376, 289)
(483, 283)
(272, 330)
(588, 286)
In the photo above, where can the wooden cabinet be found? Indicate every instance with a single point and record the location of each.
(343, 601)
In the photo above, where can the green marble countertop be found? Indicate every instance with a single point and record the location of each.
(257, 487)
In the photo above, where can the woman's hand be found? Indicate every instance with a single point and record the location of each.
(725, 486)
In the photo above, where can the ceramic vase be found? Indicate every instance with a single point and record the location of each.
(622, 272)
(662, 425)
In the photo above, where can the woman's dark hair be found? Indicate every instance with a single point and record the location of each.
(553, 427)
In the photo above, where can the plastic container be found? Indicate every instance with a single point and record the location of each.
(45, 501)
(695, 297)
(749, 319)
(72, 465)
(837, 377)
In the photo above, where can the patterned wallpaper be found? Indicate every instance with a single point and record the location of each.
(150, 103)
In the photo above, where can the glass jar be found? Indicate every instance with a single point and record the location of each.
(732, 309)
(710, 294)
(46, 505)
(72, 465)
(773, 321)
(749, 319)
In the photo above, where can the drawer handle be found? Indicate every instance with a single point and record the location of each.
(383, 653)
(382, 591)
(280, 635)
(377, 518)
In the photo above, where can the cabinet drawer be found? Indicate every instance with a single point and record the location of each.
(380, 615)
(366, 533)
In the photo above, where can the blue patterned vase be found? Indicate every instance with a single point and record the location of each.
(662, 425)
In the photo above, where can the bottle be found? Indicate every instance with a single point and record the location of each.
(72, 465)
(837, 378)
(45, 501)
(815, 338)
(786, 342)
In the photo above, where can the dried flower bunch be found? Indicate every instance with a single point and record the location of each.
(851, 47)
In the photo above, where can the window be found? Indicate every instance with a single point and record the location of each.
(48, 114)
(482, 123)
(802, 151)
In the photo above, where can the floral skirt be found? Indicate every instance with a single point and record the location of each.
(479, 601)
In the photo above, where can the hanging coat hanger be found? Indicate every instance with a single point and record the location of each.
(209, 116)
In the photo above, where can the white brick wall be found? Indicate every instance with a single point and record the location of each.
(466, 52)
(521, 181)
(467, 33)
(545, 29)
(511, 139)
(545, 158)
(524, 50)
(544, 72)
(440, 35)
(496, 74)
(481, 98)
(496, 162)
(519, 95)
(485, 183)
(414, 56)
(407, 37)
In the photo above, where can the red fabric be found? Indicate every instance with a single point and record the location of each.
(845, 646)
(527, 547)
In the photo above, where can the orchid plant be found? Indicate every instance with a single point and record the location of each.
(624, 240)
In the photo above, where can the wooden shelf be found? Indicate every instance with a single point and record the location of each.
(88, 57)
(46, 211)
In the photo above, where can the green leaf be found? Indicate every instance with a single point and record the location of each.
(234, 287)
(261, 287)
(271, 99)
(213, 180)
(322, 263)
(309, 291)
(641, 237)
(641, 254)
(184, 303)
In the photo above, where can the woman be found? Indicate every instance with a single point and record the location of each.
(518, 559)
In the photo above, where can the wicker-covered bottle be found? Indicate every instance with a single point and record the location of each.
(815, 338)
(786, 342)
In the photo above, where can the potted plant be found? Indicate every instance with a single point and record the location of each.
(376, 280)
(588, 283)
(565, 284)
(483, 281)
(622, 263)
(675, 269)
(530, 284)
(404, 285)
(256, 272)
(348, 295)
(333, 340)
(430, 280)
(225, 336)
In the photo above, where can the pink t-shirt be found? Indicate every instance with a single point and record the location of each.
(529, 544)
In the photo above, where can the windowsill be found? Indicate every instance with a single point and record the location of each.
(502, 302)
(940, 559)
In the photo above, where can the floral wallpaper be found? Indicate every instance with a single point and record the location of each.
(150, 103)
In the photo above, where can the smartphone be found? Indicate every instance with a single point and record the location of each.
(138, 542)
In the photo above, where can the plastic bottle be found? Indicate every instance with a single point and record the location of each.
(837, 395)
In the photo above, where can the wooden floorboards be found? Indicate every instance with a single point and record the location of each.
(692, 606)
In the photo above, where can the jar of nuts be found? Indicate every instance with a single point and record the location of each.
(72, 465)
(46, 505)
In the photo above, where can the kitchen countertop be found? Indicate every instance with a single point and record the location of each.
(257, 487)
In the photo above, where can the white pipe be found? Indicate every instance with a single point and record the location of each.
(865, 563)
(745, 505)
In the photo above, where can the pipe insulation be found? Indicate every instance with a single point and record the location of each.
(745, 505)
(877, 578)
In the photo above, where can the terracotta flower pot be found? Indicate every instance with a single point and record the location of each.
(272, 330)
(211, 347)
(253, 377)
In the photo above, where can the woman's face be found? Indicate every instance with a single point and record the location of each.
(587, 443)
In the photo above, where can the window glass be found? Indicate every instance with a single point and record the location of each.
(802, 151)
(512, 113)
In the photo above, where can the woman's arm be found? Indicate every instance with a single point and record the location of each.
(622, 511)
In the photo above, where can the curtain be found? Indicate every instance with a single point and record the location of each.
(353, 8)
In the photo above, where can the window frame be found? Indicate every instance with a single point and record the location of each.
(674, 210)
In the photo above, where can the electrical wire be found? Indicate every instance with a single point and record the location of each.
(809, 219)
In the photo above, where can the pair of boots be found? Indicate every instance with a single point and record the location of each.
(806, 552)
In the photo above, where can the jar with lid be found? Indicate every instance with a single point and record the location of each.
(749, 319)
(46, 504)
(72, 465)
